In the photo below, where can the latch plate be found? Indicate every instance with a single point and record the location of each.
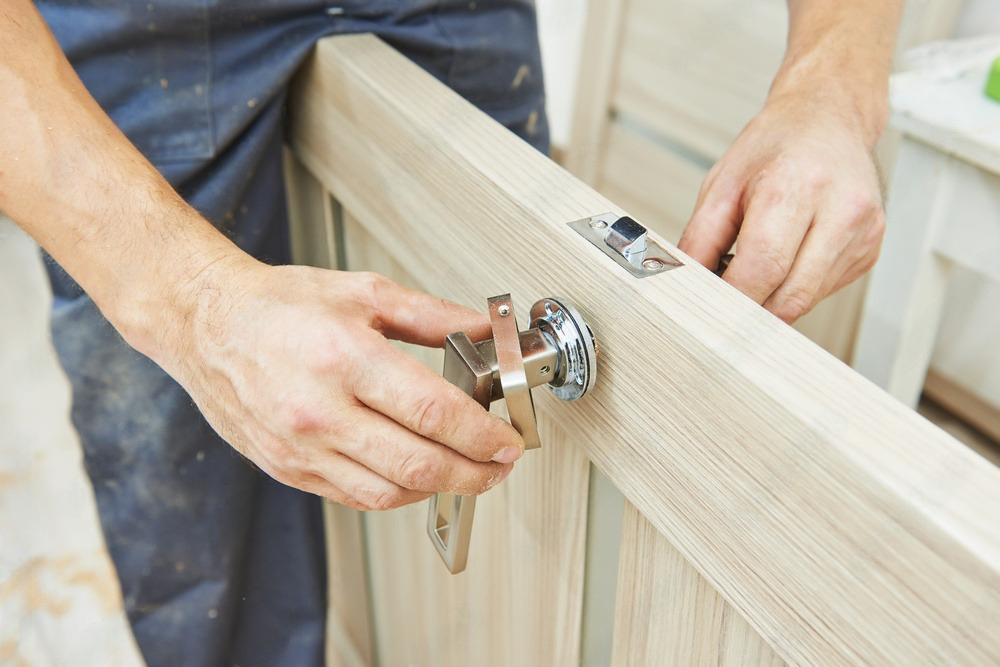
(627, 242)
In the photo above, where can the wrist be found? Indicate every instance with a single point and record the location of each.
(181, 298)
(856, 95)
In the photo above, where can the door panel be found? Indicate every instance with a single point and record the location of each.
(667, 614)
(828, 514)
(520, 599)
(697, 71)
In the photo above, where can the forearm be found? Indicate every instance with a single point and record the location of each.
(73, 181)
(841, 51)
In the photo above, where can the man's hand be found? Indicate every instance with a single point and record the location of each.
(800, 192)
(293, 367)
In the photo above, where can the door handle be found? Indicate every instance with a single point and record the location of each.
(557, 349)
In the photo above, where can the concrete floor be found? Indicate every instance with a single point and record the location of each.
(60, 603)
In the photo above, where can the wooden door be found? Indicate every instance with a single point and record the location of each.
(778, 507)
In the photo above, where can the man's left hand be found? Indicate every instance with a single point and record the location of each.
(799, 190)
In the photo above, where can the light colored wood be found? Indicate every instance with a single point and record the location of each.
(520, 600)
(964, 404)
(595, 80)
(833, 323)
(313, 227)
(656, 184)
(348, 632)
(311, 217)
(696, 71)
(840, 524)
(970, 236)
(927, 21)
(604, 535)
(667, 614)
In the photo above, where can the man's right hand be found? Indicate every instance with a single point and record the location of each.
(293, 367)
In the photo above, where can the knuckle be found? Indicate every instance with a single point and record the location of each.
(794, 305)
(430, 418)
(348, 501)
(770, 192)
(371, 286)
(862, 209)
(418, 472)
(288, 472)
(324, 352)
(386, 499)
(300, 418)
(869, 261)
(876, 231)
(772, 266)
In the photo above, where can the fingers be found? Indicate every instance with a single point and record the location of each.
(400, 387)
(415, 317)
(773, 229)
(839, 248)
(714, 225)
(418, 464)
(355, 486)
(809, 279)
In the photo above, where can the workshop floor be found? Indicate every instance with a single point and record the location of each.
(60, 603)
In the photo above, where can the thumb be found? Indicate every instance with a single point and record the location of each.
(416, 317)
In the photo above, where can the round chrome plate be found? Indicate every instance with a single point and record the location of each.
(577, 371)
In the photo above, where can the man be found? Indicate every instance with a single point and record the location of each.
(290, 365)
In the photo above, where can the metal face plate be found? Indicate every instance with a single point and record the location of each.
(573, 338)
(597, 230)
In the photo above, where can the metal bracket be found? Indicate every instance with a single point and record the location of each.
(513, 379)
(558, 349)
(627, 242)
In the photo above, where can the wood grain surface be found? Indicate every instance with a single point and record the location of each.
(520, 600)
(667, 614)
(840, 524)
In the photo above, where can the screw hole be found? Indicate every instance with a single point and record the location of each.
(544, 370)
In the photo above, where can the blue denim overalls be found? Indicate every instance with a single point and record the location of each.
(218, 563)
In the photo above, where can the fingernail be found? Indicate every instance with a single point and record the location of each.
(507, 455)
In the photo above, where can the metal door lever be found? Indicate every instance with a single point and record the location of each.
(557, 349)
